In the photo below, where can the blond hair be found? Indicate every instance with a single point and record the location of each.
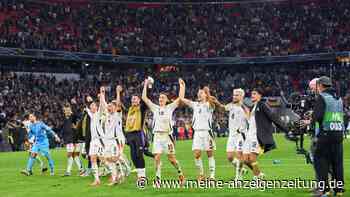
(240, 91)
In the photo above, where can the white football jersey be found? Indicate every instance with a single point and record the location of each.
(202, 116)
(113, 125)
(26, 124)
(162, 117)
(251, 132)
(237, 121)
(96, 125)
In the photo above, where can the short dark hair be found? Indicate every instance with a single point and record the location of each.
(93, 102)
(258, 90)
(89, 103)
(26, 116)
(36, 114)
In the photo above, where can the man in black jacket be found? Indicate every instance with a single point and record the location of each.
(328, 118)
(259, 136)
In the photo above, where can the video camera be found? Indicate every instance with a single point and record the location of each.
(292, 111)
(302, 107)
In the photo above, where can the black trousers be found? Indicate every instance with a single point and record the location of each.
(136, 141)
(328, 157)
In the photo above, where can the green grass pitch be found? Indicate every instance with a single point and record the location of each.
(13, 184)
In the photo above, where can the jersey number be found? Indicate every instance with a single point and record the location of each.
(336, 126)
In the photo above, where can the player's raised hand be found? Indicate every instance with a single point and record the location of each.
(89, 99)
(145, 82)
(181, 82)
(73, 101)
(119, 88)
(102, 89)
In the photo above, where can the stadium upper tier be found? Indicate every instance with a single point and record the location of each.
(177, 30)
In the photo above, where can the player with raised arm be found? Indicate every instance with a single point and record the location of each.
(38, 131)
(203, 139)
(123, 163)
(112, 127)
(238, 124)
(163, 141)
(97, 133)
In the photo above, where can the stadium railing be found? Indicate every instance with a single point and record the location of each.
(121, 59)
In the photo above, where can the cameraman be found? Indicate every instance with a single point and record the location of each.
(328, 120)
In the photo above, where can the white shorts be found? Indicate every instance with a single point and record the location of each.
(162, 143)
(251, 145)
(234, 143)
(203, 141)
(96, 148)
(73, 148)
(111, 148)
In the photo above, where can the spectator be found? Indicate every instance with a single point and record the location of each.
(178, 30)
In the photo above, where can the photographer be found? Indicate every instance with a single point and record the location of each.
(328, 120)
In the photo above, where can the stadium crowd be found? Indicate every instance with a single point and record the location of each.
(177, 30)
(23, 93)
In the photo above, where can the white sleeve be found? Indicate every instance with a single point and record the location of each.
(192, 104)
(153, 107)
(172, 106)
(89, 112)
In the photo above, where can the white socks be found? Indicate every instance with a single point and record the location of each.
(78, 162)
(112, 166)
(235, 161)
(199, 165)
(238, 168)
(211, 167)
(69, 164)
(158, 171)
(141, 172)
(94, 168)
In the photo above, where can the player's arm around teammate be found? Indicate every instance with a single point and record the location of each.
(259, 138)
